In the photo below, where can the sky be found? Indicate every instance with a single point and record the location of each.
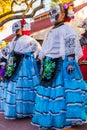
(8, 26)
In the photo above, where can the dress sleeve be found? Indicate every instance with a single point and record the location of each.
(78, 50)
(35, 47)
(72, 46)
(10, 46)
(32, 45)
(43, 48)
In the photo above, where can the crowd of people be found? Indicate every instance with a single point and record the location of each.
(54, 96)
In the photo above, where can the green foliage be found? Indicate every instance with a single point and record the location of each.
(10, 68)
(49, 67)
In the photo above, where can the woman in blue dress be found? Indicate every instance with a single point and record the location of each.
(60, 97)
(21, 76)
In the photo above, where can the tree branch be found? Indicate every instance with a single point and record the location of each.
(20, 16)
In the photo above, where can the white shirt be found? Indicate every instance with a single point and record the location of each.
(59, 42)
(24, 44)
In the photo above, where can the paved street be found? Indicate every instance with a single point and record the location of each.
(18, 124)
(24, 124)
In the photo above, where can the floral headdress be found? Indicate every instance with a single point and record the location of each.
(26, 27)
(67, 5)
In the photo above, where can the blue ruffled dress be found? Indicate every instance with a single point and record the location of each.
(61, 104)
(18, 94)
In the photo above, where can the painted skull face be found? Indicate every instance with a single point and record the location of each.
(16, 26)
(54, 13)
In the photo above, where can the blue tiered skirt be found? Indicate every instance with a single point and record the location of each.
(62, 104)
(20, 90)
(3, 88)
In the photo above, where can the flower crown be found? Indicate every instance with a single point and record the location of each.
(67, 5)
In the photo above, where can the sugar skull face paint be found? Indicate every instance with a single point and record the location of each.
(54, 13)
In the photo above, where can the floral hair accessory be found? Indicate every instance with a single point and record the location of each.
(26, 27)
(23, 21)
(66, 6)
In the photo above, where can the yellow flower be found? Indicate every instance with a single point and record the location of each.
(70, 8)
(3, 44)
(52, 4)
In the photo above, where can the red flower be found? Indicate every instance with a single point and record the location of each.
(67, 20)
(23, 21)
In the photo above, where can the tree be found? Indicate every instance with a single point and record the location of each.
(23, 9)
(4, 6)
